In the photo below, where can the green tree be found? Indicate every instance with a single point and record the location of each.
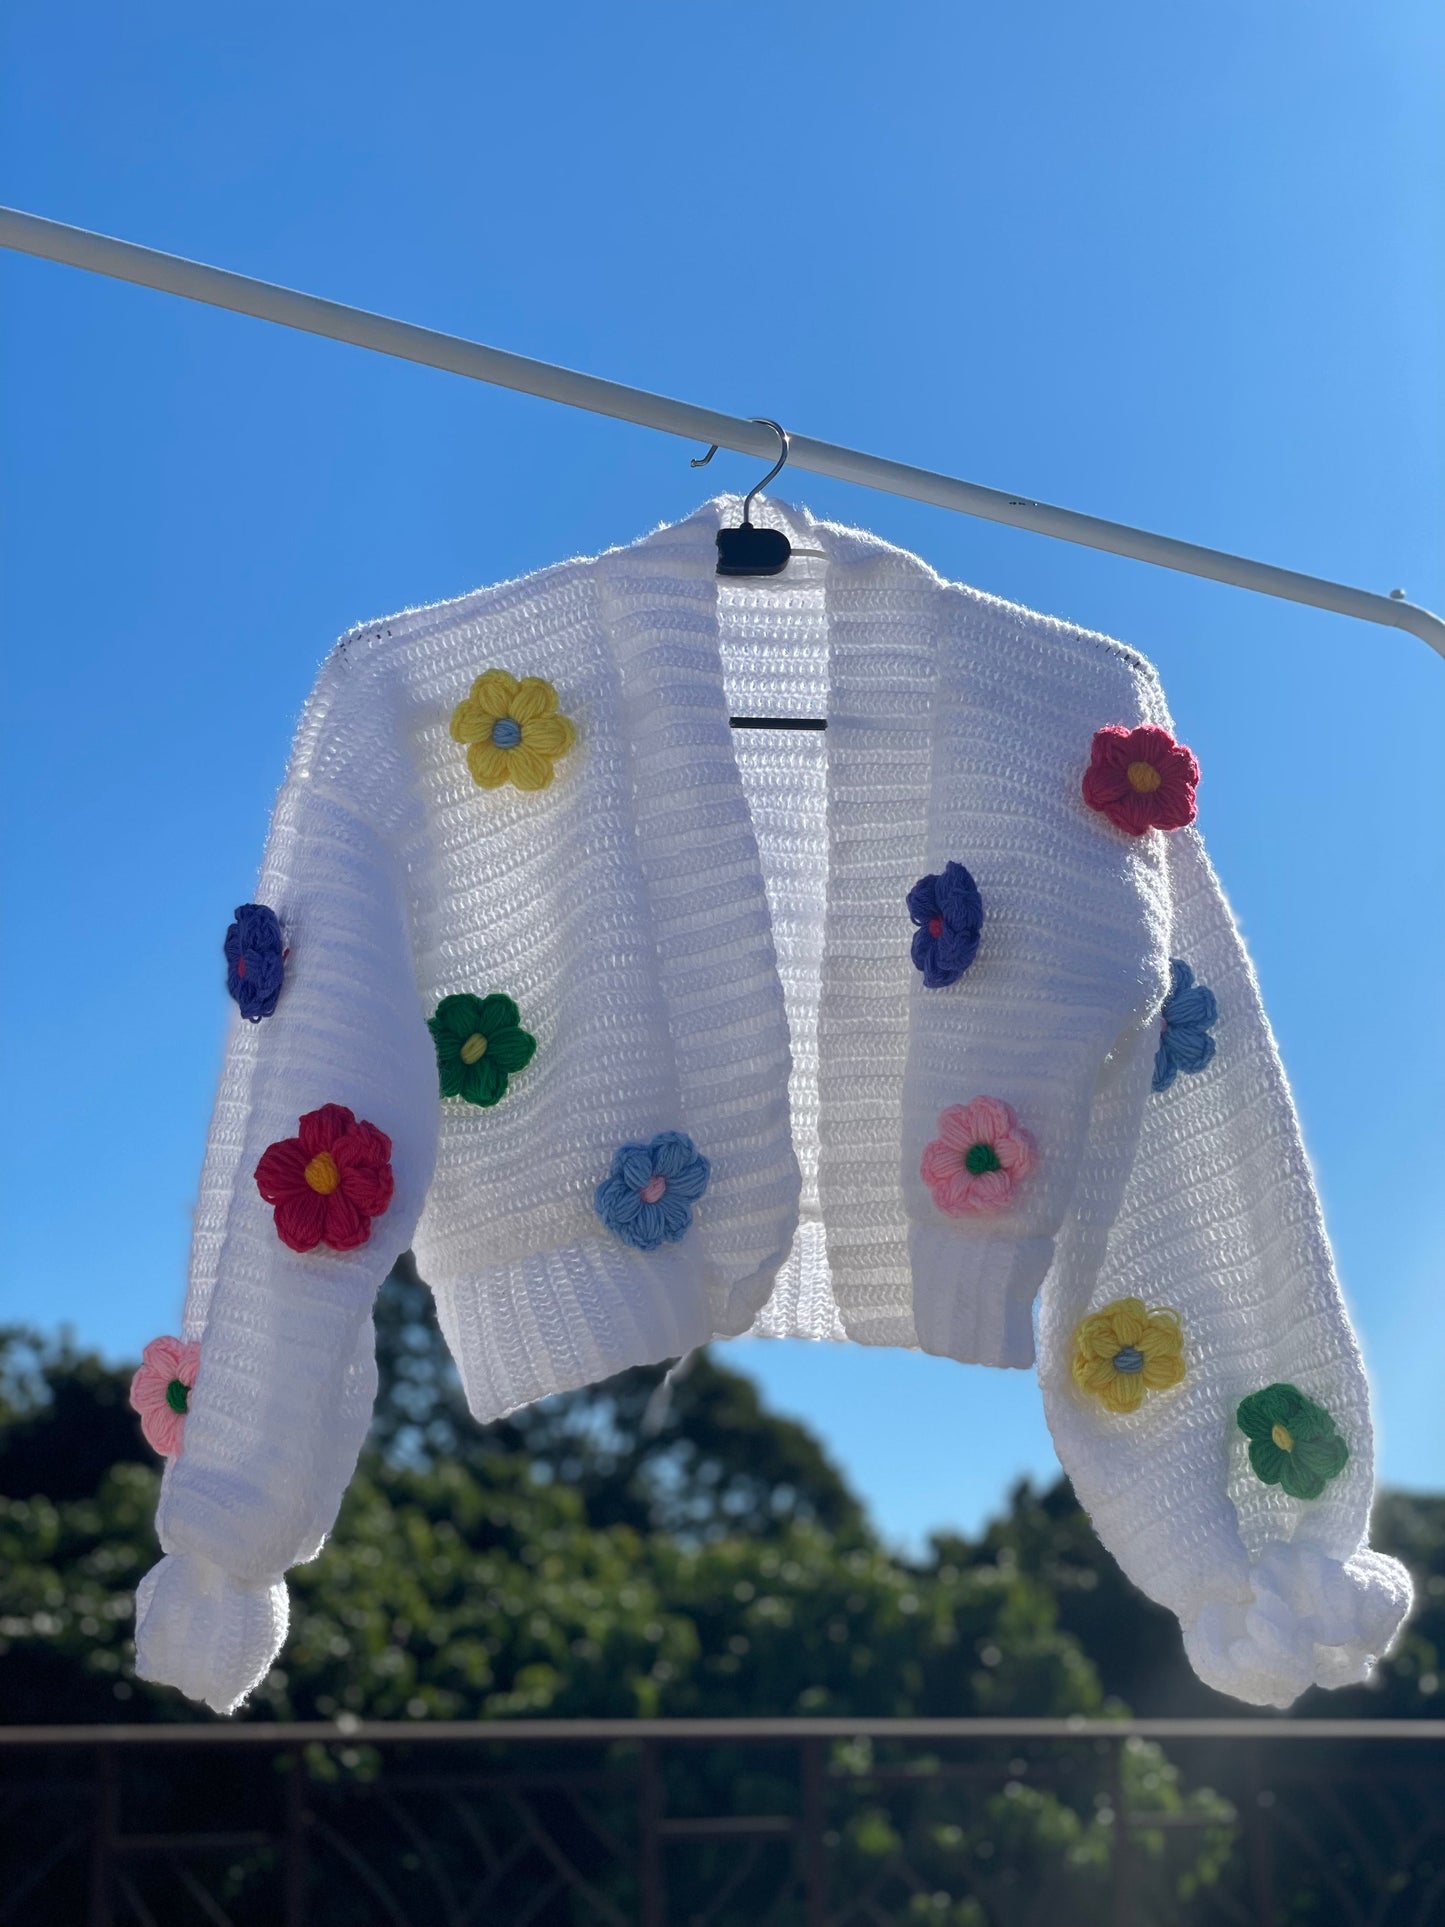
(641, 1547)
(65, 1418)
(645, 1547)
(662, 1544)
(1136, 1646)
(689, 1451)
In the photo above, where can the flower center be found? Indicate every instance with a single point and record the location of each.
(506, 732)
(980, 1159)
(474, 1047)
(240, 966)
(1143, 777)
(1282, 1437)
(1128, 1358)
(177, 1396)
(653, 1189)
(322, 1174)
(935, 926)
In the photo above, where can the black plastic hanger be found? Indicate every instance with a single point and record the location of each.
(746, 550)
(750, 551)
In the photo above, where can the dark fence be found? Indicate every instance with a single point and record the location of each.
(726, 1823)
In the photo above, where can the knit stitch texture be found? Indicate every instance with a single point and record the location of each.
(707, 933)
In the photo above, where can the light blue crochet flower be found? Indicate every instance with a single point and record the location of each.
(1189, 1015)
(648, 1198)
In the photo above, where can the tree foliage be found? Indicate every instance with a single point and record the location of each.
(1136, 1646)
(657, 1545)
(65, 1419)
(652, 1545)
(688, 1452)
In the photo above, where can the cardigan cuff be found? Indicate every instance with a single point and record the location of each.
(198, 1629)
(1308, 1620)
(973, 1295)
(521, 1330)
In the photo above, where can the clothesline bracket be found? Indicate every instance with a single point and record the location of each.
(219, 288)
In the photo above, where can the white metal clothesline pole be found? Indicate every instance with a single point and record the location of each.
(172, 274)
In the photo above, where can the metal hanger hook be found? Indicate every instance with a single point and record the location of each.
(763, 421)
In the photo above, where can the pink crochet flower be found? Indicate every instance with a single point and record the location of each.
(979, 1159)
(160, 1392)
(1141, 779)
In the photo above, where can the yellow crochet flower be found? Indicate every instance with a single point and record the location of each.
(1124, 1351)
(512, 730)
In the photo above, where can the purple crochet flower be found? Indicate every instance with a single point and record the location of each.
(648, 1198)
(949, 913)
(255, 960)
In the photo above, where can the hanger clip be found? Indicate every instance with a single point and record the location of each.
(750, 551)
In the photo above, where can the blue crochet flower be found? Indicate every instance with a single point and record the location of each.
(255, 960)
(649, 1196)
(1189, 1015)
(949, 913)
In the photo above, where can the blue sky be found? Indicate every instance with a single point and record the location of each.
(1184, 268)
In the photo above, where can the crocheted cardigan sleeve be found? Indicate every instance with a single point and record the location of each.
(1199, 1198)
(287, 1379)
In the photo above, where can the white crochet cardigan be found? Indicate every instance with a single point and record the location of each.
(705, 930)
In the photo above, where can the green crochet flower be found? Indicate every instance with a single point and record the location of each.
(1292, 1441)
(480, 1044)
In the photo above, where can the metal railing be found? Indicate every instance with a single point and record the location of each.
(711, 1822)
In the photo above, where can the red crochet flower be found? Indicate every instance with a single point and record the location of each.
(1141, 779)
(328, 1183)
